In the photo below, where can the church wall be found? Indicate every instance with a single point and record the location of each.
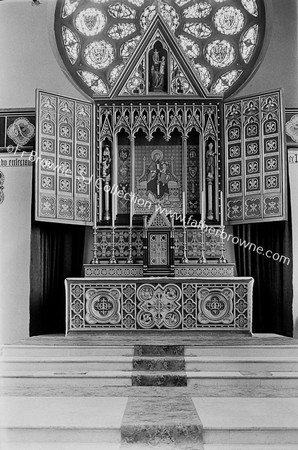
(293, 176)
(279, 66)
(27, 58)
(279, 70)
(28, 61)
(15, 230)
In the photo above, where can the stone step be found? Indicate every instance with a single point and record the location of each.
(61, 446)
(66, 363)
(159, 378)
(257, 421)
(158, 363)
(61, 419)
(241, 363)
(59, 379)
(66, 350)
(250, 382)
(251, 447)
(262, 351)
(159, 350)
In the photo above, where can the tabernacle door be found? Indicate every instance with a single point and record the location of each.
(255, 159)
(64, 159)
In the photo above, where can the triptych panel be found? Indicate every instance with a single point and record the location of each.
(64, 164)
(255, 159)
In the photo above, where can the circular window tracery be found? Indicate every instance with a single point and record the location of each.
(221, 38)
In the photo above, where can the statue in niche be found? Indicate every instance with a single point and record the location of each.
(158, 177)
(106, 163)
(210, 154)
(158, 64)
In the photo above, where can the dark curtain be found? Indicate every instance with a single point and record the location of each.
(56, 253)
(273, 289)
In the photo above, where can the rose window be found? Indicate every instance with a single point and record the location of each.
(221, 38)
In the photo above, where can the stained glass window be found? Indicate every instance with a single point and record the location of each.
(122, 11)
(220, 38)
(220, 53)
(192, 49)
(128, 47)
(248, 42)
(121, 30)
(204, 74)
(69, 7)
(225, 81)
(229, 20)
(71, 43)
(93, 81)
(115, 73)
(251, 6)
(198, 30)
(99, 54)
(197, 11)
(90, 21)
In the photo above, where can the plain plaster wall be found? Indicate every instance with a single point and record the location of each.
(29, 61)
(293, 176)
(15, 228)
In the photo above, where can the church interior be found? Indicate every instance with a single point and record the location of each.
(149, 253)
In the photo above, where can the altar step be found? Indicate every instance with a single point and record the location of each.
(80, 421)
(229, 367)
(120, 423)
(230, 423)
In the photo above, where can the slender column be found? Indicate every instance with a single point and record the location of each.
(132, 189)
(210, 171)
(210, 215)
(184, 259)
(95, 259)
(202, 258)
(222, 258)
(114, 199)
(106, 176)
(99, 182)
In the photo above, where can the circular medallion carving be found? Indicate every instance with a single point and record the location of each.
(103, 306)
(215, 305)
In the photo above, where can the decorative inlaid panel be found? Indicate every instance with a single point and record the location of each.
(181, 270)
(193, 179)
(158, 249)
(194, 243)
(292, 127)
(17, 131)
(64, 160)
(226, 304)
(159, 304)
(255, 163)
(124, 164)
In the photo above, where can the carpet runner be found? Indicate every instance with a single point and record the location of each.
(159, 365)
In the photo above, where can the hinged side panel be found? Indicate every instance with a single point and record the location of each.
(64, 162)
(255, 159)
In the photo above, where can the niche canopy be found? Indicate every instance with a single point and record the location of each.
(220, 39)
